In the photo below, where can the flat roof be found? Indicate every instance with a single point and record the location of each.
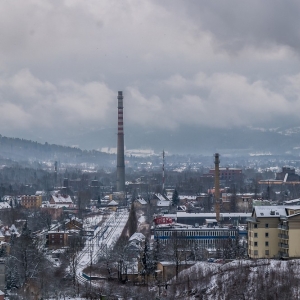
(183, 214)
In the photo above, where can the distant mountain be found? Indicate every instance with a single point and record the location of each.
(202, 140)
(184, 140)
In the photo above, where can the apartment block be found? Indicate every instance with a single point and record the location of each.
(274, 232)
(31, 201)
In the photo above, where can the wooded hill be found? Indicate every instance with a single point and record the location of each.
(26, 150)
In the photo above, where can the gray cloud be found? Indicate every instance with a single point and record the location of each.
(180, 63)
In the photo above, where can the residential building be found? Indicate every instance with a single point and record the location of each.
(274, 232)
(31, 201)
(56, 239)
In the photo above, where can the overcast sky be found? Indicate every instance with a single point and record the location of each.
(179, 63)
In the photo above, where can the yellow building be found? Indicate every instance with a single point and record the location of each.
(31, 201)
(274, 232)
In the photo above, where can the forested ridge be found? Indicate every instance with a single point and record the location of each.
(23, 150)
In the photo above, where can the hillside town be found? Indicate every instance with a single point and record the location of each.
(97, 242)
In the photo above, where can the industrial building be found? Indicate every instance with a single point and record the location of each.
(228, 174)
(195, 219)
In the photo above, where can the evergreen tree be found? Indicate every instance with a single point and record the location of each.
(175, 198)
(132, 221)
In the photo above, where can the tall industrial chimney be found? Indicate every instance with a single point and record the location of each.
(163, 174)
(120, 147)
(217, 186)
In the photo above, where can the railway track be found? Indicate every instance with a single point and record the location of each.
(93, 248)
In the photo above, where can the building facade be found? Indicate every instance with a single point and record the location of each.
(31, 201)
(274, 232)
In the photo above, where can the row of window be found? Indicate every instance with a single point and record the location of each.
(195, 233)
(205, 242)
(256, 244)
(255, 225)
(266, 234)
(255, 252)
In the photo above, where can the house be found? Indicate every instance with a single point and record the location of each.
(137, 238)
(57, 239)
(73, 223)
(140, 202)
(4, 205)
(113, 205)
(274, 232)
(59, 200)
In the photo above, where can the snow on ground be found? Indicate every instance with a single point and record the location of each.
(142, 219)
(211, 279)
(93, 221)
(104, 236)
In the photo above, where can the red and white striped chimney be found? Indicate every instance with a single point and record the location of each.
(120, 147)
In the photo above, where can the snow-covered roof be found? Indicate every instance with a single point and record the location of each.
(160, 197)
(292, 201)
(163, 203)
(58, 199)
(181, 208)
(137, 236)
(142, 201)
(4, 205)
(7, 198)
(211, 215)
(40, 193)
(187, 197)
(112, 203)
(270, 211)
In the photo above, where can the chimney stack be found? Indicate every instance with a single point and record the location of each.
(217, 186)
(120, 147)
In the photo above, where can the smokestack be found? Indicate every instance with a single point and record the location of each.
(163, 173)
(120, 147)
(217, 186)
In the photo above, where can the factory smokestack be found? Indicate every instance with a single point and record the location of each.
(217, 186)
(120, 147)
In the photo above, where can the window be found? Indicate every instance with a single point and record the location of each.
(267, 234)
(255, 252)
(255, 244)
(255, 234)
(266, 252)
(255, 225)
(267, 244)
(267, 225)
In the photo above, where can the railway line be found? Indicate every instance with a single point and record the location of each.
(104, 236)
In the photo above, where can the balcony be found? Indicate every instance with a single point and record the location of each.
(284, 246)
(283, 236)
(283, 227)
(283, 254)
